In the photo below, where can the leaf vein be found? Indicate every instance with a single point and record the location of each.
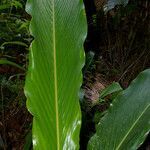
(55, 79)
(132, 127)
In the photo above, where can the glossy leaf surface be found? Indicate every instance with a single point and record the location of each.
(54, 77)
(128, 120)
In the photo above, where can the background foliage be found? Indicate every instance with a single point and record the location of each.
(14, 43)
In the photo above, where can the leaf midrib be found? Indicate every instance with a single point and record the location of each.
(126, 135)
(55, 79)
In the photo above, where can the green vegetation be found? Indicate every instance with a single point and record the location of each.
(14, 42)
(106, 110)
(54, 102)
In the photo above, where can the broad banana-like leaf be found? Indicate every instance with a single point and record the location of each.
(128, 120)
(112, 3)
(54, 76)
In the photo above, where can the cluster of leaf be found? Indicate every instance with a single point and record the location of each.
(54, 79)
(13, 28)
(7, 5)
(14, 33)
(14, 42)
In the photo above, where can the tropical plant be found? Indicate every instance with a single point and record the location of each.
(127, 123)
(54, 79)
(14, 34)
(56, 61)
(9, 4)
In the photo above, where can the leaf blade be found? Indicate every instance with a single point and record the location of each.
(56, 60)
(114, 87)
(128, 120)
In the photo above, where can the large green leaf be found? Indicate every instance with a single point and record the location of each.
(128, 120)
(54, 77)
